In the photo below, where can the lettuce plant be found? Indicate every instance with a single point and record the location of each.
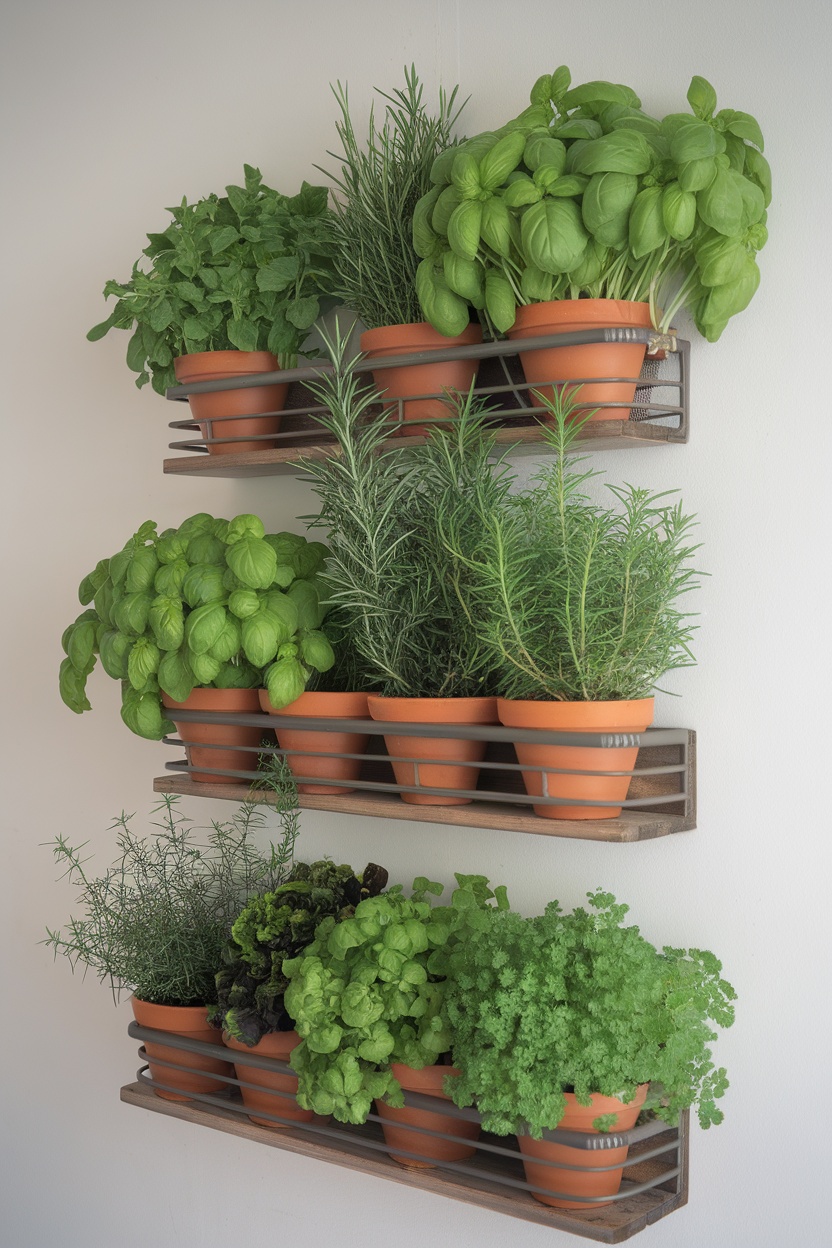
(369, 991)
(579, 1003)
(584, 194)
(247, 271)
(213, 604)
(279, 925)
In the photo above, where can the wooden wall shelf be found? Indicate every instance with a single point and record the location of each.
(501, 383)
(611, 1224)
(677, 814)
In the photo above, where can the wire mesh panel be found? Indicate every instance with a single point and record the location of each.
(490, 1171)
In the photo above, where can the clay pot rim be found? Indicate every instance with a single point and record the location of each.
(477, 710)
(631, 313)
(213, 365)
(191, 1013)
(195, 702)
(606, 1105)
(415, 334)
(309, 698)
(522, 712)
(237, 1046)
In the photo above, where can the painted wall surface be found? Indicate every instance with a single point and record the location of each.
(114, 110)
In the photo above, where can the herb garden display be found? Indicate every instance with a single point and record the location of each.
(465, 612)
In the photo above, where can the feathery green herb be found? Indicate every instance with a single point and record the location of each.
(576, 601)
(378, 187)
(156, 923)
(395, 583)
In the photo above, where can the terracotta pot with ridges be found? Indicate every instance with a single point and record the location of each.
(227, 702)
(414, 379)
(602, 359)
(190, 1021)
(246, 402)
(332, 706)
(596, 1180)
(457, 768)
(609, 717)
(395, 1122)
(276, 1044)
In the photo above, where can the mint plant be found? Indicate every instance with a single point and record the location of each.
(250, 270)
(369, 991)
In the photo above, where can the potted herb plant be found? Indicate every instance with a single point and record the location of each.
(272, 927)
(578, 604)
(584, 213)
(156, 923)
(233, 283)
(397, 585)
(366, 997)
(376, 191)
(197, 618)
(567, 1020)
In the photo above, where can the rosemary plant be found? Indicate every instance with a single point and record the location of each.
(156, 923)
(402, 596)
(577, 601)
(378, 187)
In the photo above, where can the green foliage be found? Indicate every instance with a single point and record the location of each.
(245, 271)
(577, 1002)
(273, 927)
(576, 601)
(584, 194)
(202, 605)
(377, 189)
(369, 991)
(157, 921)
(393, 581)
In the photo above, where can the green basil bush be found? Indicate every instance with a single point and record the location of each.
(213, 604)
(585, 194)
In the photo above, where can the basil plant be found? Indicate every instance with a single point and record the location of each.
(213, 604)
(585, 194)
(248, 271)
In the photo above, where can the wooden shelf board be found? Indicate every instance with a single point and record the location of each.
(604, 435)
(609, 1225)
(632, 825)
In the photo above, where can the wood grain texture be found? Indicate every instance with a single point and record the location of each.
(609, 1225)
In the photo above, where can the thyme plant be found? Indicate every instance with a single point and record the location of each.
(377, 189)
(156, 923)
(577, 601)
(402, 596)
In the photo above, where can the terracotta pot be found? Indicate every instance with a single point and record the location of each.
(184, 1020)
(276, 1044)
(246, 402)
(228, 702)
(333, 706)
(396, 1121)
(454, 771)
(602, 359)
(613, 717)
(594, 1181)
(415, 379)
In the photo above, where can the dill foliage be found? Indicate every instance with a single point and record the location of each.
(401, 594)
(377, 189)
(157, 921)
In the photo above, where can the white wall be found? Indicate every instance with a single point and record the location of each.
(115, 110)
